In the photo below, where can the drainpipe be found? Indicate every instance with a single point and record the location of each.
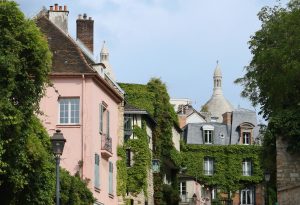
(82, 122)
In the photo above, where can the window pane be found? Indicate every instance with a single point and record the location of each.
(69, 111)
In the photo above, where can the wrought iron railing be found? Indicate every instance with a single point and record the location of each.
(106, 143)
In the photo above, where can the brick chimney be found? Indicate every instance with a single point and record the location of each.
(59, 16)
(85, 31)
(227, 118)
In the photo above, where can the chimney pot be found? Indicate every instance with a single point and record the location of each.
(65, 8)
(51, 8)
(90, 18)
(55, 7)
(79, 16)
(60, 8)
(84, 16)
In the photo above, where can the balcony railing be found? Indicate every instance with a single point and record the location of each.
(106, 145)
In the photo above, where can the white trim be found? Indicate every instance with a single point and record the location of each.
(208, 127)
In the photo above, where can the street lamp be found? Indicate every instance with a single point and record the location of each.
(267, 179)
(58, 142)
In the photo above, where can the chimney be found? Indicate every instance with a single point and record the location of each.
(59, 16)
(227, 118)
(85, 31)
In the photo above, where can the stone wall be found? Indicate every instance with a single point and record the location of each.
(288, 175)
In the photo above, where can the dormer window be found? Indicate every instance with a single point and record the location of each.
(246, 138)
(246, 133)
(208, 134)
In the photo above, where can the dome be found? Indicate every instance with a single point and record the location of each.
(217, 104)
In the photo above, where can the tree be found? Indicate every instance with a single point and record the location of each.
(27, 168)
(272, 77)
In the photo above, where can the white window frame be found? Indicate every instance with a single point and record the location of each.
(208, 166)
(208, 131)
(246, 138)
(247, 166)
(247, 197)
(69, 111)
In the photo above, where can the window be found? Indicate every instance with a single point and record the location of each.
(246, 130)
(104, 119)
(208, 166)
(208, 134)
(110, 179)
(247, 197)
(96, 173)
(246, 138)
(69, 111)
(127, 123)
(128, 157)
(182, 188)
(247, 167)
(182, 191)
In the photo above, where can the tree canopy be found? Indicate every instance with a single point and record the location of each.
(27, 167)
(272, 77)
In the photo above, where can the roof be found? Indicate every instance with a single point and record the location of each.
(67, 56)
(130, 109)
(218, 71)
(69, 59)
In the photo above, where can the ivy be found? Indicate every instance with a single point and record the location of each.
(121, 172)
(134, 179)
(227, 165)
(154, 98)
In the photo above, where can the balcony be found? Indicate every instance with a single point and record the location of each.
(106, 146)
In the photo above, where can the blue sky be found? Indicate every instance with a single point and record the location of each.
(176, 40)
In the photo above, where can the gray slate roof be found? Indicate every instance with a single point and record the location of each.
(223, 134)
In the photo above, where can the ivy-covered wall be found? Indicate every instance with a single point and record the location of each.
(227, 164)
(133, 179)
(154, 98)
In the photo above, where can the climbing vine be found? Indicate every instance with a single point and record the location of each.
(227, 165)
(134, 178)
(154, 98)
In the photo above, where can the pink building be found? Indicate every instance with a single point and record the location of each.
(83, 102)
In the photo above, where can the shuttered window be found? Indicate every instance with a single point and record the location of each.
(100, 118)
(110, 183)
(96, 169)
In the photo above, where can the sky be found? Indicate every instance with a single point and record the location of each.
(179, 41)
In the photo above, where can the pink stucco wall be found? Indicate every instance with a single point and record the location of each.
(84, 139)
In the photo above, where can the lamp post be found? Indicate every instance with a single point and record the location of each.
(267, 179)
(58, 142)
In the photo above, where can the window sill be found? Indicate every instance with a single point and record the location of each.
(68, 125)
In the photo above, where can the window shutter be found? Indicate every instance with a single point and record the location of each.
(100, 118)
(96, 169)
(107, 124)
(110, 183)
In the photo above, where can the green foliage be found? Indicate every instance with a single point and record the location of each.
(25, 62)
(134, 179)
(227, 165)
(139, 96)
(155, 99)
(27, 168)
(74, 190)
(121, 172)
(138, 172)
(272, 78)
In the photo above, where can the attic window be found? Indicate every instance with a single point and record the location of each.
(208, 134)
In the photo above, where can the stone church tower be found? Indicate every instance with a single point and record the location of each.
(217, 104)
